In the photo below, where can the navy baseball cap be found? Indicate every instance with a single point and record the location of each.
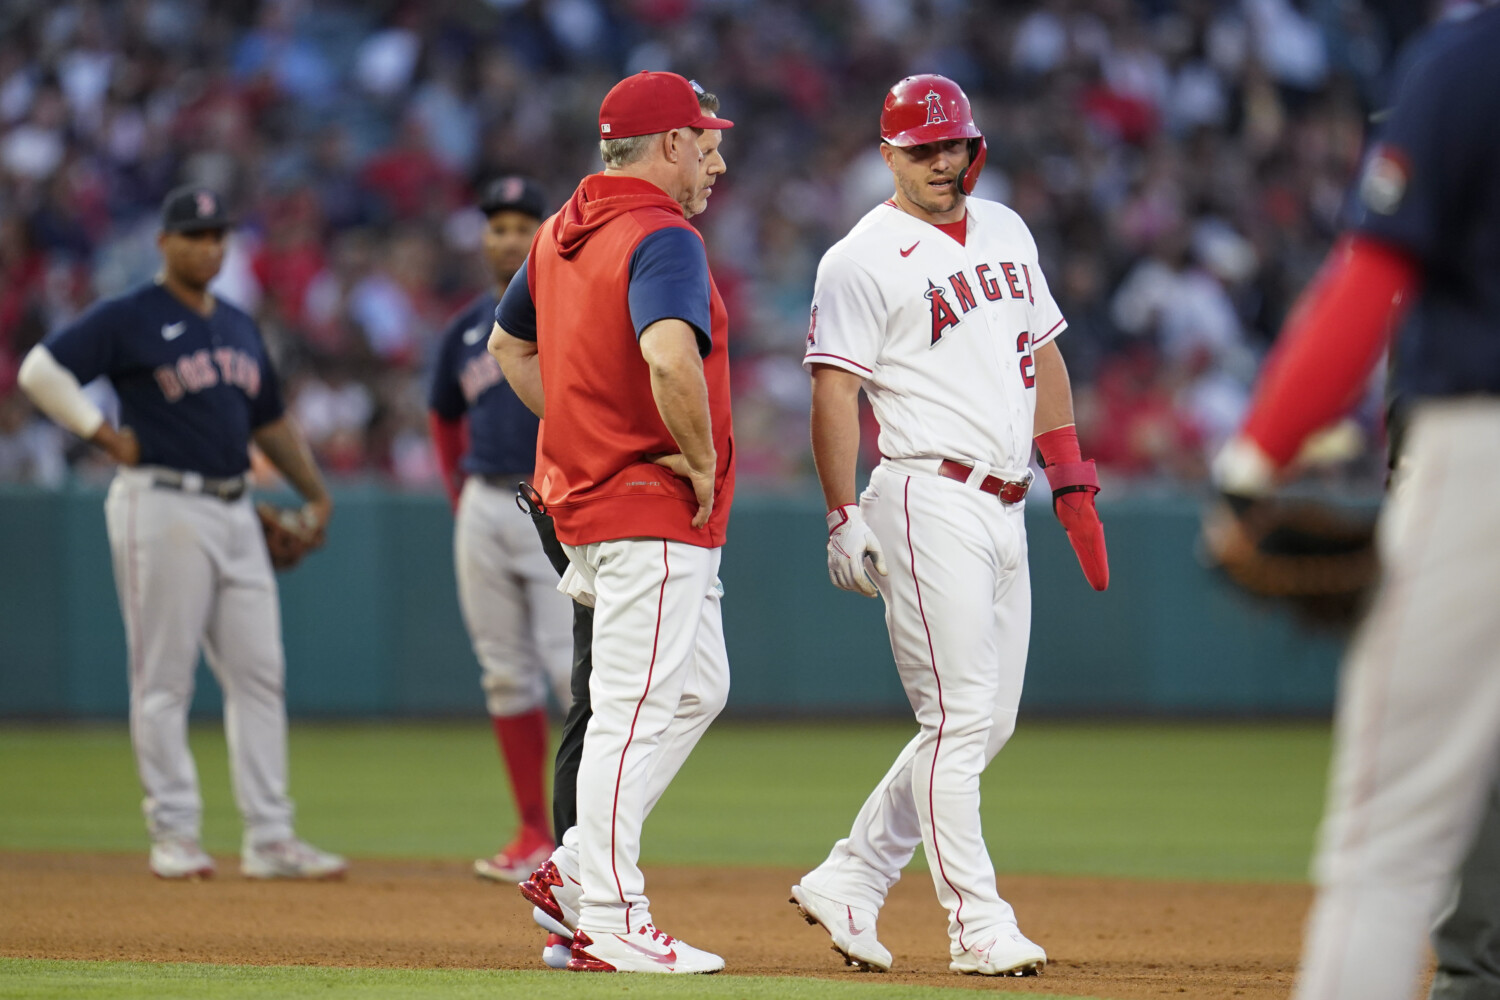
(513, 194)
(193, 209)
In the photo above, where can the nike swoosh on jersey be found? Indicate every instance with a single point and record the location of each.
(669, 959)
(472, 335)
(908, 250)
(172, 331)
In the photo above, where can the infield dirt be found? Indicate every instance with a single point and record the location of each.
(1113, 938)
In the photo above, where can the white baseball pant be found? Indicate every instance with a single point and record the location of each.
(192, 571)
(958, 607)
(520, 626)
(661, 675)
(1417, 732)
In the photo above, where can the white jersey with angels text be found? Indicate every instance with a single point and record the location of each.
(942, 332)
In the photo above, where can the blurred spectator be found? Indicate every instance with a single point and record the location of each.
(1180, 162)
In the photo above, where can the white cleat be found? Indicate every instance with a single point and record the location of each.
(645, 949)
(1011, 953)
(556, 952)
(853, 931)
(291, 858)
(180, 858)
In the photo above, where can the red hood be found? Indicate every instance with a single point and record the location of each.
(600, 199)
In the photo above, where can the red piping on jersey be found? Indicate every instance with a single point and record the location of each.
(620, 774)
(942, 717)
(1038, 341)
(820, 354)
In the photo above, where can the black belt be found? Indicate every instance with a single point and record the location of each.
(504, 481)
(228, 490)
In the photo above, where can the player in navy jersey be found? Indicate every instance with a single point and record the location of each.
(521, 627)
(196, 388)
(1418, 725)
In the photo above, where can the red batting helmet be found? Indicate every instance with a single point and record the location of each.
(931, 108)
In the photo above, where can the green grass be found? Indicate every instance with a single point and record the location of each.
(1200, 801)
(36, 980)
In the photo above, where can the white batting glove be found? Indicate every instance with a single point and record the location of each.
(850, 541)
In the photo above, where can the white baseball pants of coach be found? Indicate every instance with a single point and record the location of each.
(958, 607)
(661, 675)
(1417, 733)
(520, 626)
(192, 572)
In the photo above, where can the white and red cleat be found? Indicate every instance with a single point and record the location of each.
(180, 858)
(851, 927)
(645, 949)
(556, 898)
(1011, 953)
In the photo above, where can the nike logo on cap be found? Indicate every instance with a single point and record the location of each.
(172, 331)
(908, 250)
(472, 335)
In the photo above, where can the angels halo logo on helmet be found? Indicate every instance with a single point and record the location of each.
(935, 115)
(932, 108)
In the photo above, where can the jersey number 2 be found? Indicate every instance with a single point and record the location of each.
(1028, 369)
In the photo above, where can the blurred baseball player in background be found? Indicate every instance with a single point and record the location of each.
(485, 439)
(618, 331)
(190, 561)
(1417, 731)
(936, 305)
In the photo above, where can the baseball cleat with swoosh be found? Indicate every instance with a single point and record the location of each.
(645, 949)
(852, 930)
(1010, 953)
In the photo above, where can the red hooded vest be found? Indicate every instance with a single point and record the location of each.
(602, 419)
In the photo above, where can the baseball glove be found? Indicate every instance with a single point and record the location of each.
(290, 534)
(1318, 559)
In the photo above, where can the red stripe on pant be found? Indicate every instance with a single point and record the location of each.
(942, 716)
(620, 774)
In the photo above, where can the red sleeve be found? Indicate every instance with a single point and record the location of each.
(450, 441)
(1330, 343)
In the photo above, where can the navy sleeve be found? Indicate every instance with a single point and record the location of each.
(669, 280)
(516, 313)
(267, 405)
(86, 346)
(1420, 172)
(445, 396)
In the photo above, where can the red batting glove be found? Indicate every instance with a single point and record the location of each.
(1074, 483)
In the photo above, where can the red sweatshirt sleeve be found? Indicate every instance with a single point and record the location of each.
(1330, 343)
(450, 441)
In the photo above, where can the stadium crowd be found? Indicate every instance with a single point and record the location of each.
(1181, 162)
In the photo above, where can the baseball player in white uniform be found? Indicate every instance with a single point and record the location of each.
(191, 566)
(936, 306)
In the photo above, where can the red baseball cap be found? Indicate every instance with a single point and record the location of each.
(648, 102)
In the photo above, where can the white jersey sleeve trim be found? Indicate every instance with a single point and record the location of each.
(56, 393)
(848, 316)
(836, 361)
(1050, 335)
